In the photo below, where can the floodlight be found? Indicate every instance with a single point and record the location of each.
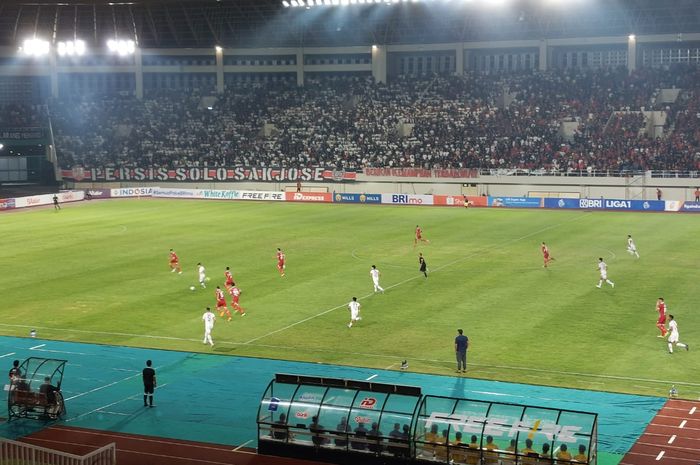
(219, 48)
(34, 47)
(632, 37)
(121, 47)
(285, 3)
(71, 48)
(2, 146)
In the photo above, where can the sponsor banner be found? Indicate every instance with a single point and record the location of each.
(606, 204)
(693, 207)
(357, 198)
(422, 173)
(96, 193)
(211, 194)
(460, 200)
(308, 196)
(47, 199)
(7, 204)
(515, 202)
(407, 199)
(673, 205)
(204, 174)
(133, 192)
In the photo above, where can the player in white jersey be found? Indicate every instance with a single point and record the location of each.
(631, 247)
(374, 273)
(603, 268)
(673, 337)
(202, 274)
(354, 307)
(209, 318)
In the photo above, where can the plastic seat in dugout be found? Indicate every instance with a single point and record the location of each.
(35, 393)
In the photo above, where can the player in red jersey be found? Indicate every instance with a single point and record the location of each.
(661, 322)
(419, 236)
(235, 297)
(221, 306)
(545, 254)
(229, 278)
(174, 263)
(281, 261)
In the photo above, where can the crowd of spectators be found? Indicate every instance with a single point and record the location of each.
(21, 115)
(474, 121)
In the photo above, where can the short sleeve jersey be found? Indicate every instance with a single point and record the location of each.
(149, 375)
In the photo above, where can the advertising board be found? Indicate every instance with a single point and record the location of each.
(407, 199)
(515, 202)
(357, 198)
(460, 200)
(606, 204)
(308, 196)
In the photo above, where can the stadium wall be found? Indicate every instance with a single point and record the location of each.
(634, 188)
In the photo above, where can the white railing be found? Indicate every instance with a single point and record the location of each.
(20, 453)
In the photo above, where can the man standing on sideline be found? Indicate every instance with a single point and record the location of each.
(149, 384)
(697, 194)
(659, 194)
(374, 273)
(56, 206)
(674, 338)
(603, 268)
(209, 318)
(461, 346)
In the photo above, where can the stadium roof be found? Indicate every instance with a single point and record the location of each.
(266, 23)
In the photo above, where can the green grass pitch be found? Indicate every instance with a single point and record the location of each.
(98, 272)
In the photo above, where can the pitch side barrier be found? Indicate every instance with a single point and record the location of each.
(349, 422)
(358, 198)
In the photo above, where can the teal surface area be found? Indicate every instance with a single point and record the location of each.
(214, 398)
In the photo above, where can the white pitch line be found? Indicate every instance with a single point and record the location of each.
(36, 347)
(682, 425)
(372, 377)
(673, 438)
(364, 354)
(692, 411)
(101, 387)
(661, 454)
(242, 445)
(418, 276)
(7, 355)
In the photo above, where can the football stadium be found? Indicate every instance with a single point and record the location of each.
(350, 231)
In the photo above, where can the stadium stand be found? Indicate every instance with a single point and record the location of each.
(489, 121)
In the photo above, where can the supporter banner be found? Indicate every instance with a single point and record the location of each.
(21, 134)
(357, 198)
(515, 202)
(460, 200)
(308, 197)
(7, 204)
(47, 199)
(606, 204)
(210, 194)
(422, 173)
(133, 192)
(96, 193)
(238, 173)
(693, 207)
(407, 199)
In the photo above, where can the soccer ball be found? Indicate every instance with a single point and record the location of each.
(192, 288)
(208, 279)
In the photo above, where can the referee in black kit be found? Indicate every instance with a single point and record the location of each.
(149, 384)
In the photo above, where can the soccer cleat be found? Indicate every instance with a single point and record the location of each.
(613, 285)
(661, 335)
(687, 347)
(349, 326)
(179, 272)
(243, 314)
(221, 314)
(598, 286)
(173, 271)
(229, 319)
